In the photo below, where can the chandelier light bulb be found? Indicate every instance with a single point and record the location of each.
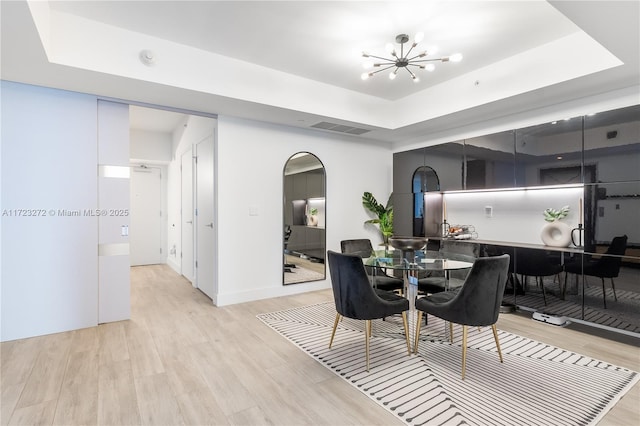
(390, 49)
(456, 57)
(366, 75)
(367, 65)
(430, 67)
(365, 54)
(392, 75)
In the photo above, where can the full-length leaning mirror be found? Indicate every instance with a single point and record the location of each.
(304, 211)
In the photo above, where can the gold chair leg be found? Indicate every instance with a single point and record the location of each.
(335, 325)
(406, 331)
(450, 332)
(367, 331)
(495, 337)
(464, 349)
(417, 336)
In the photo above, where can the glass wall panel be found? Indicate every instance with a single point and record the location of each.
(489, 161)
(447, 160)
(549, 153)
(612, 145)
(601, 151)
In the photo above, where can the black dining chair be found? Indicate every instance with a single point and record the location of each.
(536, 263)
(377, 275)
(356, 299)
(477, 303)
(607, 266)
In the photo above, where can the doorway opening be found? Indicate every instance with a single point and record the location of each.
(172, 190)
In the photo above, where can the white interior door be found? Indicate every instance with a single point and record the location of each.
(187, 227)
(205, 239)
(145, 234)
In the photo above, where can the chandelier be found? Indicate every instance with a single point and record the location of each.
(405, 60)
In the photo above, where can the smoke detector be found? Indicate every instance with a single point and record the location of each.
(147, 57)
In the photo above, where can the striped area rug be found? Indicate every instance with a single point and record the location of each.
(537, 385)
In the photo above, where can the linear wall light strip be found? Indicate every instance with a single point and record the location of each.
(523, 188)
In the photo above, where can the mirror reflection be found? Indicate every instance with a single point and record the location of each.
(489, 161)
(549, 153)
(425, 179)
(304, 219)
(599, 277)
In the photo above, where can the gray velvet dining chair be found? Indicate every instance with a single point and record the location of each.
(477, 303)
(356, 299)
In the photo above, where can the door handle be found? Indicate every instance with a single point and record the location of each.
(189, 221)
(210, 225)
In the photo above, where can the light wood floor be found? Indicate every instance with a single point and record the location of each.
(180, 360)
(305, 263)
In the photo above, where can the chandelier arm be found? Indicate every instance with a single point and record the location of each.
(381, 58)
(413, 76)
(379, 64)
(428, 60)
(418, 56)
(409, 51)
(383, 69)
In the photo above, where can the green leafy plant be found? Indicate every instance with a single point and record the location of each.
(384, 215)
(313, 211)
(551, 215)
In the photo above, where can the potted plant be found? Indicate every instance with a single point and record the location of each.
(551, 215)
(313, 218)
(384, 215)
(556, 233)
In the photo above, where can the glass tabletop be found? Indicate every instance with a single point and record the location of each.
(420, 260)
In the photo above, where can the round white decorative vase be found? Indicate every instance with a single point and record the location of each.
(313, 220)
(556, 234)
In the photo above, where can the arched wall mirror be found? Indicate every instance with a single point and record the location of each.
(425, 180)
(304, 211)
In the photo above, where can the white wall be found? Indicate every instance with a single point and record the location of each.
(150, 147)
(249, 172)
(49, 164)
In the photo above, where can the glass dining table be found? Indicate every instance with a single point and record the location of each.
(413, 265)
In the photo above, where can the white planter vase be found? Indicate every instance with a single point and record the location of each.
(556, 234)
(312, 220)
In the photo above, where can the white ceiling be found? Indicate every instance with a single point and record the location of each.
(299, 62)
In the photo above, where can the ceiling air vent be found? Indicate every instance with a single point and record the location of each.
(324, 125)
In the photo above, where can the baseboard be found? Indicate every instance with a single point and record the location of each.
(223, 299)
(173, 265)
